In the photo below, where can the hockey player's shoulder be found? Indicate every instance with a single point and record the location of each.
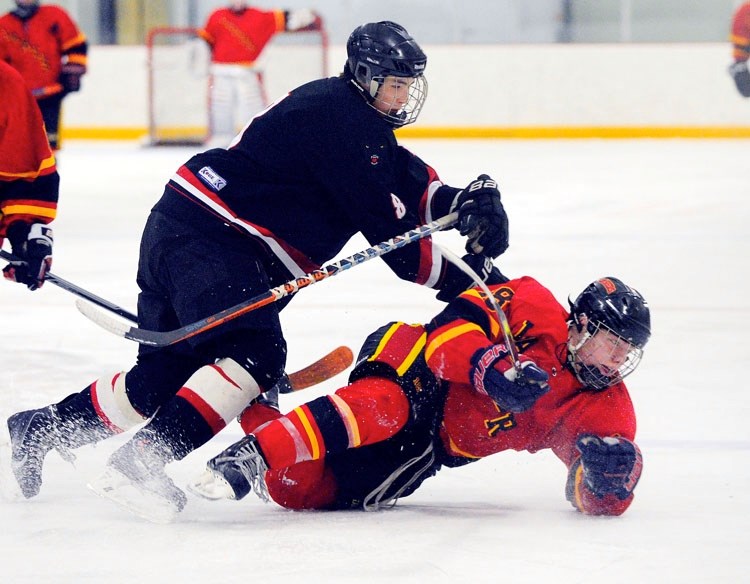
(328, 87)
(331, 100)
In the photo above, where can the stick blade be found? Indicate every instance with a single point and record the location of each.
(332, 364)
(103, 320)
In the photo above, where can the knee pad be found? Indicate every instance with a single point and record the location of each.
(373, 409)
(110, 399)
(219, 392)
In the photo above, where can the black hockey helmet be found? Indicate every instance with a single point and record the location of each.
(379, 49)
(619, 307)
(609, 304)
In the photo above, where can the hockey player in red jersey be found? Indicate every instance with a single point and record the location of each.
(237, 35)
(446, 394)
(740, 39)
(320, 166)
(45, 45)
(29, 182)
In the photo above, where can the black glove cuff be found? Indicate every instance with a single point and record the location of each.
(18, 233)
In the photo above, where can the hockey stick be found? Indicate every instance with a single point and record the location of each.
(323, 369)
(510, 342)
(70, 287)
(165, 338)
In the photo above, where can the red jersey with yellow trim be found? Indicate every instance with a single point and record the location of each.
(239, 37)
(741, 33)
(37, 47)
(474, 426)
(29, 181)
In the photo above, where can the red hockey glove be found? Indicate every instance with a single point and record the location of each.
(32, 245)
(482, 218)
(610, 465)
(493, 374)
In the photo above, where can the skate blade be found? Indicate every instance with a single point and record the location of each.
(118, 488)
(211, 486)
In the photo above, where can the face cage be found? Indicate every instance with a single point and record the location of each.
(410, 112)
(590, 375)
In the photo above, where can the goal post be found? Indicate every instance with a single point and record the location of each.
(178, 63)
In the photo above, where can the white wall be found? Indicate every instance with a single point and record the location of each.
(503, 86)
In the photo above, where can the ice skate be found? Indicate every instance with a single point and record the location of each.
(233, 473)
(270, 398)
(33, 433)
(136, 480)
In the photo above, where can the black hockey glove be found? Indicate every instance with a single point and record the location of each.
(485, 269)
(493, 374)
(70, 77)
(482, 218)
(741, 77)
(32, 245)
(610, 464)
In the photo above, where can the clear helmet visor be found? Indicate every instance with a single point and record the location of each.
(600, 358)
(398, 99)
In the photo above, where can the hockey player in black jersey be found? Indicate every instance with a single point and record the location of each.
(303, 177)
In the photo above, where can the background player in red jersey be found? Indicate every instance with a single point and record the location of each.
(300, 181)
(237, 36)
(741, 49)
(29, 182)
(45, 45)
(446, 394)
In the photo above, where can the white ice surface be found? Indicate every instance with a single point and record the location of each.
(669, 217)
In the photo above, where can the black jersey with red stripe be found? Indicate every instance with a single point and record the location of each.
(305, 175)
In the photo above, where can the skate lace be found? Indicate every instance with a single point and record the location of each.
(253, 468)
(377, 498)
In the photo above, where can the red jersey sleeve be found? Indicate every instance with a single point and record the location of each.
(73, 43)
(241, 37)
(473, 424)
(605, 413)
(28, 175)
(470, 323)
(741, 33)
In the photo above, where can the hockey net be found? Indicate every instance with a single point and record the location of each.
(178, 78)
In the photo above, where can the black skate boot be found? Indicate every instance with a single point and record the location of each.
(33, 434)
(270, 398)
(234, 472)
(135, 479)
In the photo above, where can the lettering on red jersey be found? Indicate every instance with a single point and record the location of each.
(503, 295)
(504, 422)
